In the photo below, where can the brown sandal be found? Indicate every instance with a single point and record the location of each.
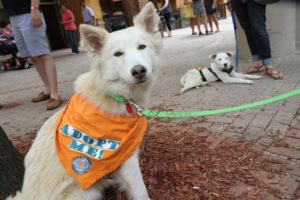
(253, 69)
(273, 73)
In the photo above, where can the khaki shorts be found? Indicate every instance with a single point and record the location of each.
(31, 41)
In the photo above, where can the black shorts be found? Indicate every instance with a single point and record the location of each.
(209, 10)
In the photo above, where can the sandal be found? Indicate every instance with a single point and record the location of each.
(253, 69)
(273, 73)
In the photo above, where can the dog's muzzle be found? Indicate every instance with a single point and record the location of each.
(139, 73)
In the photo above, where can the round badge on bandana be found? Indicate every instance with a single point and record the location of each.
(81, 164)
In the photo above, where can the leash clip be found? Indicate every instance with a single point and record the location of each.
(140, 110)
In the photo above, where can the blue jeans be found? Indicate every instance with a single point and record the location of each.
(252, 17)
(73, 41)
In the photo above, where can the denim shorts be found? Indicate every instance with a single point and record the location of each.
(31, 41)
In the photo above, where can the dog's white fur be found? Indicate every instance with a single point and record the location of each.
(221, 61)
(45, 178)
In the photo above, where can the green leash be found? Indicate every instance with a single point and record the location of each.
(155, 113)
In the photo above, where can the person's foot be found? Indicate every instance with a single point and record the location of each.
(217, 31)
(54, 103)
(194, 33)
(254, 68)
(41, 97)
(200, 33)
(170, 35)
(207, 33)
(273, 73)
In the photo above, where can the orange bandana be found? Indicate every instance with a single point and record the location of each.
(91, 144)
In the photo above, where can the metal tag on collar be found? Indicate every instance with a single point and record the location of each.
(140, 110)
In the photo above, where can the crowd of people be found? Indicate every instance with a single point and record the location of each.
(196, 11)
(202, 10)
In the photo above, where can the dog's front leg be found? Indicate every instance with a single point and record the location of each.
(132, 178)
(225, 78)
(239, 75)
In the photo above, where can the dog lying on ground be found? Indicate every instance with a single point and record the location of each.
(219, 70)
(72, 158)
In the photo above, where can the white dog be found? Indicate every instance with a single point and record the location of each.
(124, 63)
(219, 70)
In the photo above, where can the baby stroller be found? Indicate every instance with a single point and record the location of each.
(10, 63)
(162, 23)
(9, 47)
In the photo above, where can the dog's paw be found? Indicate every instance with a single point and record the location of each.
(248, 82)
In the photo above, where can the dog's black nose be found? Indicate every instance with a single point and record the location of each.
(138, 71)
(225, 64)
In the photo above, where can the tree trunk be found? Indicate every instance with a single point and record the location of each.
(11, 167)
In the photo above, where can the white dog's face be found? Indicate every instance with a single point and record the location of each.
(222, 60)
(128, 56)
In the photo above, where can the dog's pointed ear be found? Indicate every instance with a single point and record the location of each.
(147, 19)
(92, 38)
(229, 53)
(213, 56)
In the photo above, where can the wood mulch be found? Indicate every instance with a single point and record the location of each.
(178, 164)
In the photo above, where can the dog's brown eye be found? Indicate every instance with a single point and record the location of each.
(220, 59)
(141, 46)
(118, 54)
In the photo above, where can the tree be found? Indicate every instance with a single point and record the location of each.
(11, 167)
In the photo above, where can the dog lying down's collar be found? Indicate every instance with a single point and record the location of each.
(228, 71)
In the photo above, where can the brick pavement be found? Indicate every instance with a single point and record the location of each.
(180, 53)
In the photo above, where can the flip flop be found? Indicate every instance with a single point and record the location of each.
(273, 73)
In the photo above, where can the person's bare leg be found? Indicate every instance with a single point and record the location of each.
(214, 18)
(192, 24)
(197, 20)
(209, 19)
(204, 18)
(47, 69)
(42, 73)
(51, 75)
